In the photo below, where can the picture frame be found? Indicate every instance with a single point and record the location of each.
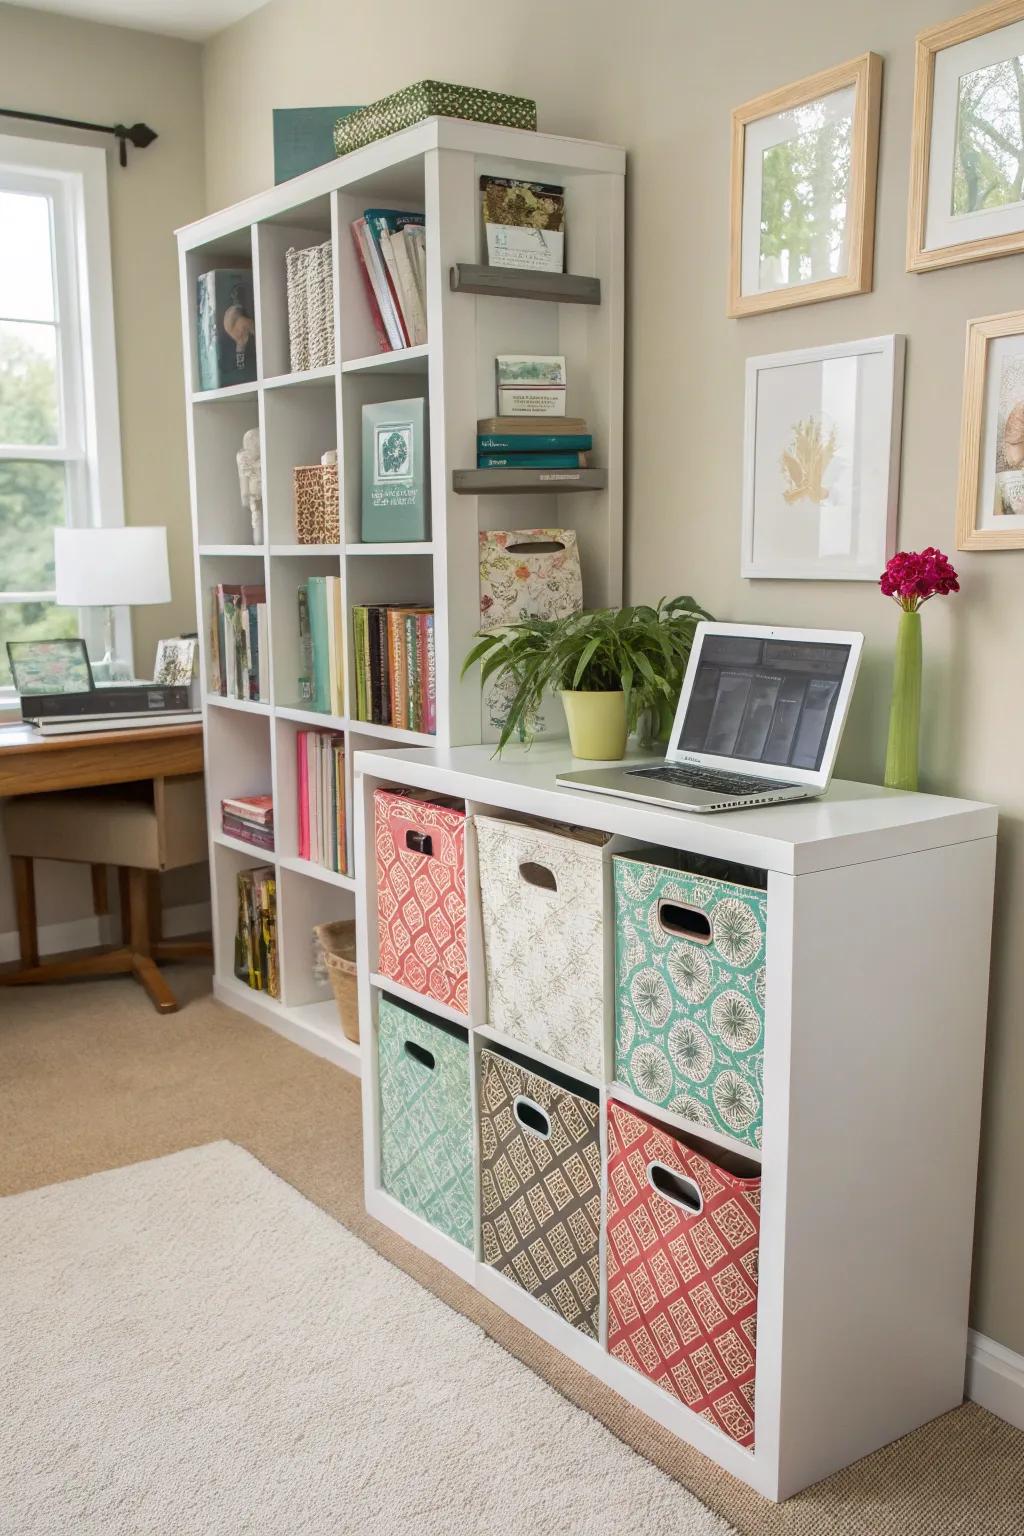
(778, 259)
(49, 666)
(990, 482)
(967, 139)
(821, 461)
(176, 661)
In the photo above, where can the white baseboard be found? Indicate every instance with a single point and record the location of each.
(84, 932)
(995, 1378)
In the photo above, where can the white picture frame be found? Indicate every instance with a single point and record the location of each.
(821, 461)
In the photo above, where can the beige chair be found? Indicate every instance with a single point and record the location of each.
(141, 829)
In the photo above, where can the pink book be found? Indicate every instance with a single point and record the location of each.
(300, 740)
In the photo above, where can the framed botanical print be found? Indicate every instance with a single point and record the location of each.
(990, 486)
(967, 156)
(804, 166)
(821, 461)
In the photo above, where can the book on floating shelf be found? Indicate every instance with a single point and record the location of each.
(250, 818)
(530, 385)
(320, 621)
(394, 666)
(239, 658)
(532, 442)
(320, 780)
(524, 222)
(391, 246)
(256, 935)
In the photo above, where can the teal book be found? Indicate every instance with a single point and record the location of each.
(305, 679)
(317, 586)
(395, 472)
(225, 328)
(531, 461)
(535, 442)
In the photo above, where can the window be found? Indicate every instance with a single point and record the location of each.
(60, 456)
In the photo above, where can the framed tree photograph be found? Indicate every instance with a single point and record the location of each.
(821, 461)
(804, 167)
(967, 153)
(990, 485)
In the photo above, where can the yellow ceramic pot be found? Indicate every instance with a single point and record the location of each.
(597, 724)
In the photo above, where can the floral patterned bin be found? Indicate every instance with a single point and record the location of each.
(421, 894)
(690, 988)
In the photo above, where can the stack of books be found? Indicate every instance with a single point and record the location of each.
(391, 246)
(320, 676)
(256, 937)
(532, 442)
(394, 666)
(239, 659)
(320, 779)
(250, 818)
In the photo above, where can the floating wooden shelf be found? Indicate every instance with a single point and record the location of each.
(499, 482)
(509, 283)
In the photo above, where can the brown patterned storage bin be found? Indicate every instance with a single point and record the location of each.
(317, 519)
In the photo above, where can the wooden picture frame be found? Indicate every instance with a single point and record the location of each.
(986, 409)
(864, 76)
(933, 165)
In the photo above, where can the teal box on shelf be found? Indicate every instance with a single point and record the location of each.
(395, 470)
(426, 1125)
(225, 328)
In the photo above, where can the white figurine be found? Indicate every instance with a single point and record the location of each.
(250, 483)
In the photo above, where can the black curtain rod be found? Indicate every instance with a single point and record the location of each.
(139, 134)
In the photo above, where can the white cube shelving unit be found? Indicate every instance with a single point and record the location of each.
(434, 166)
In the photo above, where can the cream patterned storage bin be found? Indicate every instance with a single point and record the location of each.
(310, 293)
(542, 898)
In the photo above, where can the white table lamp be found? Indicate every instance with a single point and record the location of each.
(108, 568)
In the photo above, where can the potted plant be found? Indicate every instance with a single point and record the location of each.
(614, 668)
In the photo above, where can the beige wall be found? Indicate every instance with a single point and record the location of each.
(110, 74)
(660, 77)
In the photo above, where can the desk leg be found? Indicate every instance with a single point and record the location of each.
(22, 872)
(141, 944)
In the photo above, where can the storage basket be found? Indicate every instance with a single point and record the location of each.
(430, 98)
(426, 1124)
(421, 895)
(309, 279)
(690, 988)
(317, 517)
(338, 945)
(540, 1187)
(682, 1258)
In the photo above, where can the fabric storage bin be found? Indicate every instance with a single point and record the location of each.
(430, 98)
(317, 518)
(540, 1187)
(542, 901)
(681, 1257)
(426, 1123)
(690, 988)
(421, 895)
(309, 286)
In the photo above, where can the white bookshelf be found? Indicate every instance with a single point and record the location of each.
(434, 166)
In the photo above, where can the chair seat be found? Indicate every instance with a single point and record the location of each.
(97, 827)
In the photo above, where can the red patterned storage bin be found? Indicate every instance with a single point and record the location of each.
(421, 896)
(682, 1271)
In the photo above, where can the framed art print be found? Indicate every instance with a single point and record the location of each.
(804, 166)
(821, 461)
(967, 154)
(49, 666)
(990, 486)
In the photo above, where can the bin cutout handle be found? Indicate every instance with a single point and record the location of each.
(531, 1117)
(419, 842)
(680, 920)
(676, 1188)
(538, 875)
(420, 1054)
(535, 547)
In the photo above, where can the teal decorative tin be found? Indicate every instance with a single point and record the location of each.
(690, 988)
(431, 98)
(426, 1128)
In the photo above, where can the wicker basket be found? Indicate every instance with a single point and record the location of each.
(338, 942)
(310, 291)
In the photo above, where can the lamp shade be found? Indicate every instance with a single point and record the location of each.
(107, 567)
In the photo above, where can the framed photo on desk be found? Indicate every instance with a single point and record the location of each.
(49, 666)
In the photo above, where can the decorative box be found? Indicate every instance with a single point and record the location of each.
(394, 472)
(225, 328)
(681, 1256)
(690, 988)
(317, 519)
(540, 1187)
(426, 1124)
(421, 896)
(309, 280)
(431, 98)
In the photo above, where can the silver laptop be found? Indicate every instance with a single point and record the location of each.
(759, 721)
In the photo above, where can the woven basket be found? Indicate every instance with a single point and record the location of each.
(338, 942)
(310, 290)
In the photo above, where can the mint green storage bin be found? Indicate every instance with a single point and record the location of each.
(690, 938)
(426, 1127)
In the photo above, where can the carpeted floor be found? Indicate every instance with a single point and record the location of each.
(92, 1078)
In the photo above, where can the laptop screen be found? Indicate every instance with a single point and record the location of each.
(764, 701)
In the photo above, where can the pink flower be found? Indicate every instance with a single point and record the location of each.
(912, 578)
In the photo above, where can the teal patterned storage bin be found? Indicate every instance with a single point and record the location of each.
(690, 988)
(426, 1129)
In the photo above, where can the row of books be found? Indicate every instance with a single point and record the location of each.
(239, 656)
(320, 675)
(394, 666)
(256, 935)
(532, 442)
(250, 818)
(320, 770)
(391, 246)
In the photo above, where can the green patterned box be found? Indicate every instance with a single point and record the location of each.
(431, 98)
(426, 1128)
(690, 988)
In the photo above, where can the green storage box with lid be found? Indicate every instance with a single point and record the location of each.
(426, 1125)
(690, 938)
(431, 98)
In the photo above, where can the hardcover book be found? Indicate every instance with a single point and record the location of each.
(529, 385)
(394, 472)
(524, 222)
(225, 328)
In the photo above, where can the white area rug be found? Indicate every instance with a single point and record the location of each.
(189, 1346)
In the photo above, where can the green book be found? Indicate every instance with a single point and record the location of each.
(412, 670)
(305, 679)
(321, 644)
(394, 472)
(358, 647)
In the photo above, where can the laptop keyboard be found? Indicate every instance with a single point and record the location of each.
(708, 778)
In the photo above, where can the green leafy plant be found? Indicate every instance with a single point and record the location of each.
(642, 650)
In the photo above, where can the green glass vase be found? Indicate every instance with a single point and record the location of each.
(901, 752)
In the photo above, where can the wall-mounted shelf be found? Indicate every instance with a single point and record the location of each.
(492, 482)
(509, 283)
